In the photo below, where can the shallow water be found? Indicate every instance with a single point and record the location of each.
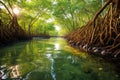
(52, 59)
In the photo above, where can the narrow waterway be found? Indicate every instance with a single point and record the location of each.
(52, 59)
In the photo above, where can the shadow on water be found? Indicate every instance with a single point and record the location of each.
(52, 59)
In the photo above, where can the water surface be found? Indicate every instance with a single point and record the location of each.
(52, 59)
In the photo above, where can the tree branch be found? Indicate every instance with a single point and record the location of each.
(104, 6)
(7, 9)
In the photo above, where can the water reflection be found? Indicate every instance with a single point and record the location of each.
(15, 71)
(52, 59)
(53, 74)
(57, 46)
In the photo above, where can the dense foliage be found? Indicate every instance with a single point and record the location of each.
(45, 16)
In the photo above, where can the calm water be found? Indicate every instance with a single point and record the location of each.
(52, 59)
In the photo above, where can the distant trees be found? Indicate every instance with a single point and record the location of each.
(74, 13)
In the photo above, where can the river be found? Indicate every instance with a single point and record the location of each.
(52, 59)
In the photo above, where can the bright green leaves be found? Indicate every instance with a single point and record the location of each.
(69, 14)
(74, 13)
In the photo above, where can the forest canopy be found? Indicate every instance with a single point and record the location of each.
(53, 17)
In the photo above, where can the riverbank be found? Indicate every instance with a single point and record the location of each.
(111, 56)
(12, 32)
(101, 35)
(74, 39)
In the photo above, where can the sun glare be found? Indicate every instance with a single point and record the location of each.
(57, 46)
(28, 0)
(50, 20)
(16, 11)
(57, 27)
(2, 7)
